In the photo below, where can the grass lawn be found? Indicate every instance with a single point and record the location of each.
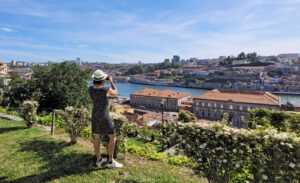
(31, 155)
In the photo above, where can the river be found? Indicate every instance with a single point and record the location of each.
(125, 89)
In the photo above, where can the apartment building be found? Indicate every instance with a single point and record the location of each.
(214, 104)
(156, 99)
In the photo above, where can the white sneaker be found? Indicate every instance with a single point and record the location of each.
(114, 164)
(100, 163)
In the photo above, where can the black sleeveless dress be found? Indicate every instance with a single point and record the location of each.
(101, 121)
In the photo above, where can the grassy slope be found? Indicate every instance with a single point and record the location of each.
(31, 155)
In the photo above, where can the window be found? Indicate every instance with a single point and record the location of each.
(231, 107)
(221, 106)
(203, 104)
(208, 104)
(215, 105)
(241, 107)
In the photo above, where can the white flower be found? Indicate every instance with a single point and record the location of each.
(292, 165)
(234, 150)
(202, 146)
(224, 160)
(265, 177)
(219, 148)
(289, 145)
(237, 165)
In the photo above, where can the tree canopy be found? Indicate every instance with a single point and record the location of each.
(60, 85)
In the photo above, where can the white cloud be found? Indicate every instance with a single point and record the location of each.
(6, 29)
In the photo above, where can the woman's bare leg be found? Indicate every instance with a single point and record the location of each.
(96, 143)
(111, 146)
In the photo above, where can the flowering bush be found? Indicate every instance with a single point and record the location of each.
(121, 128)
(226, 155)
(29, 112)
(76, 119)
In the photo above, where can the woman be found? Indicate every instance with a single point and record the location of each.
(102, 123)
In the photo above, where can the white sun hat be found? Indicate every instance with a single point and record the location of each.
(99, 75)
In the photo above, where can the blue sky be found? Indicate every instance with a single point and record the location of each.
(147, 30)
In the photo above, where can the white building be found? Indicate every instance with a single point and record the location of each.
(3, 69)
(289, 57)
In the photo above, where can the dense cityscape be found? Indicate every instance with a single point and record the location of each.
(243, 72)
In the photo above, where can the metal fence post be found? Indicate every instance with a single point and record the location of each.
(52, 123)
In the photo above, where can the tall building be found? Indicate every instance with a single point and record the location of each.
(13, 63)
(156, 99)
(175, 60)
(214, 104)
(78, 61)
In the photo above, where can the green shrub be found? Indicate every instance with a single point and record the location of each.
(8, 111)
(186, 116)
(225, 154)
(150, 151)
(294, 123)
(76, 120)
(121, 127)
(29, 112)
(180, 160)
(148, 135)
(47, 120)
(282, 121)
(86, 132)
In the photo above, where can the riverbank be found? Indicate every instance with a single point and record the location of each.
(202, 87)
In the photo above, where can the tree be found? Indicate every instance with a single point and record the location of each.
(137, 69)
(241, 56)
(167, 61)
(60, 85)
(252, 57)
(288, 107)
(1, 95)
(18, 91)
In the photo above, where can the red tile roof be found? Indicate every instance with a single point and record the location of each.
(161, 93)
(265, 98)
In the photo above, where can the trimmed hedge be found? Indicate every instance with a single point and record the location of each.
(226, 155)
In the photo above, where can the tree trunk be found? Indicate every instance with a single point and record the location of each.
(73, 139)
(29, 124)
